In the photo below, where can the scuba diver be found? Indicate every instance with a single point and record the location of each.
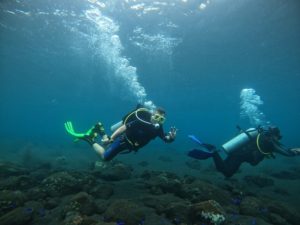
(135, 130)
(251, 146)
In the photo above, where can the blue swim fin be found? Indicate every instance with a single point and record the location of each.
(193, 137)
(199, 154)
(207, 147)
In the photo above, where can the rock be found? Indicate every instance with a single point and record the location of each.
(61, 183)
(162, 204)
(154, 219)
(124, 211)
(194, 164)
(36, 208)
(177, 212)
(40, 173)
(101, 205)
(104, 191)
(246, 220)
(104, 223)
(198, 191)
(187, 179)
(271, 211)
(277, 220)
(286, 212)
(259, 181)
(9, 169)
(286, 175)
(207, 212)
(18, 216)
(22, 182)
(251, 206)
(281, 191)
(162, 182)
(82, 203)
(51, 203)
(9, 200)
(113, 172)
(75, 218)
(36, 193)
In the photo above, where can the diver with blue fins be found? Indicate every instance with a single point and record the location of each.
(135, 130)
(251, 146)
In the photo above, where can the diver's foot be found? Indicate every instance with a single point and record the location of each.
(210, 147)
(89, 138)
(200, 154)
(98, 128)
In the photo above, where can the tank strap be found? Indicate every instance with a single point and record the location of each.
(135, 145)
(135, 112)
(249, 136)
(267, 154)
(246, 132)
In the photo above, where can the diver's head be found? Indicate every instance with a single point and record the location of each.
(274, 132)
(158, 116)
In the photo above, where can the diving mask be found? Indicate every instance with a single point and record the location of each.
(158, 118)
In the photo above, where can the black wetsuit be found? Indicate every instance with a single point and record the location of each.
(250, 154)
(139, 132)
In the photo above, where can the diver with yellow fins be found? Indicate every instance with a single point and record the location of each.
(251, 146)
(135, 130)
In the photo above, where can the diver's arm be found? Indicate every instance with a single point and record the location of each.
(118, 132)
(286, 151)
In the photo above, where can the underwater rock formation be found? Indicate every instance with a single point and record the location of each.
(112, 171)
(126, 211)
(10, 169)
(259, 181)
(68, 197)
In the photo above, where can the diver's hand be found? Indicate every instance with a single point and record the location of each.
(296, 151)
(172, 132)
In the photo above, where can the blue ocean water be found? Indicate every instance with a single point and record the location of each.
(211, 64)
(90, 60)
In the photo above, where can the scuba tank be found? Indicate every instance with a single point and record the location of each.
(242, 139)
(115, 126)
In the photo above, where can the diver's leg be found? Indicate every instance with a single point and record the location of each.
(98, 149)
(229, 166)
(91, 140)
(114, 149)
(109, 153)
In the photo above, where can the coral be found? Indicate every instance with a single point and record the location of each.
(213, 218)
(208, 211)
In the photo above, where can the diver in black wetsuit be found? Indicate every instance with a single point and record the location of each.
(137, 129)
(251, 146)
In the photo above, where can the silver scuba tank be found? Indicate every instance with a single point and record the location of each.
(237, 142)
(115, 126)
